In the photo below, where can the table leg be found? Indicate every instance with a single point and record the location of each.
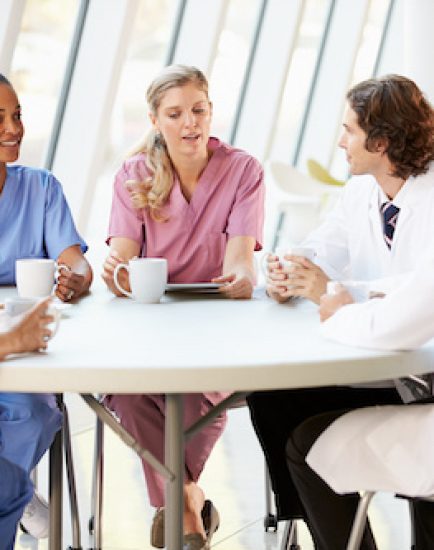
(55, 492)
(174, 458)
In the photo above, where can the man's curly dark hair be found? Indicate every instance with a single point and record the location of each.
(394, 108)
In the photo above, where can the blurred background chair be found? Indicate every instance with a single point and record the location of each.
(301, 202)
(318, 172)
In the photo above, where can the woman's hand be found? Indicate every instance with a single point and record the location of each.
(236, 286)
(75, 278)
(109, 266)
(31, 334)
(70, 285)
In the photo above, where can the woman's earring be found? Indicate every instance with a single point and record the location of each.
(159, 140)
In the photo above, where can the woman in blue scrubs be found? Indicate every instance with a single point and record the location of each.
(35, 222)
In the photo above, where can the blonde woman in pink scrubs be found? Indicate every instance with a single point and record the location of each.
(198, 202)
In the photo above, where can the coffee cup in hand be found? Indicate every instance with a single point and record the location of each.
(282, 251)
(16, 308)
(148, 279)
(36, 277)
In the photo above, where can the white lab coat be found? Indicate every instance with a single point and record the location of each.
(404, 319)
(388, 448)
(350, 243)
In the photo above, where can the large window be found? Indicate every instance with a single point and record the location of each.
(37, 70)
(129, 122)
(299, 79)
(363, 68)
(230, 63)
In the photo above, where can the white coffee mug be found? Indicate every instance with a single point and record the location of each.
(35, 277)
(282, 251)
(16, 308)
(148, 279)
(359, 290)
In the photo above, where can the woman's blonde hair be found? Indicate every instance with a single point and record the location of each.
(155, 190)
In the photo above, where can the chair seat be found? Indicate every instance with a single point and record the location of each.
(388, 448)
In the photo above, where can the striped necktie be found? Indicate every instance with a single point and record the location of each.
(390, 217)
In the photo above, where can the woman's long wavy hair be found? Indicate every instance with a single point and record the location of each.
(156, 189)
(393, 108)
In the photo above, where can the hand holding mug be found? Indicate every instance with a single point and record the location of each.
(70, 285)
(36, 277)
(30, 323)
(147, 279)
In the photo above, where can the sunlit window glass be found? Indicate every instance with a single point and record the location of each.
(230, 63)
(38, 67)
(299, 79)
(364, 66)
(129, 121)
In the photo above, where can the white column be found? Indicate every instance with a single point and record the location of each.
(10, 22)
(268, 76)
(199, 33)
(392, 56)
(324, 119)
(88, 111)
(419, 44)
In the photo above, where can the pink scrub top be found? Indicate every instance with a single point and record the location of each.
(227, 202)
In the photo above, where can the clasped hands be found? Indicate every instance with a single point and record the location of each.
(302, 278)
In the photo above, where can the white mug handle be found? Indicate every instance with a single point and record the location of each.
(59, 268)
(115, 279)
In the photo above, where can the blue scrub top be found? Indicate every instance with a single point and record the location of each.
(35, 219)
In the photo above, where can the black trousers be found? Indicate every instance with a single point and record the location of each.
(329, 515)
(276, 414)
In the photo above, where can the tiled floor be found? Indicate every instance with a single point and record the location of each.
(233, 479)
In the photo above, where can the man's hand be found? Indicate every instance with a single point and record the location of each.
(330, 303)
(303, 278)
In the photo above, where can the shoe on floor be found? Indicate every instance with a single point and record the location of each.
(157, 529)
(210, 518)
(35, 520)
(195, 541)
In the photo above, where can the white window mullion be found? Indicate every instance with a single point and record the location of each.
(85, 125)
(268, 76)
(10, 23)
(199, 33)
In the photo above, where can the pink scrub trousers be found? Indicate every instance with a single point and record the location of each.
(143, 416)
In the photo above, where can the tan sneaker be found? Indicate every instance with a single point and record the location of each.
(210, 518)
(157, 529)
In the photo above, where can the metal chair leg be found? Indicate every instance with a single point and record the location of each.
(75, 519)
(290, 536)
(95, 531)
(270, 519)
(360, 521)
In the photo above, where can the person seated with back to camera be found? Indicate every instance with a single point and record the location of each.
(379, 230)
(35, 222)
(198, 202)
(16, 489)
(376, 323)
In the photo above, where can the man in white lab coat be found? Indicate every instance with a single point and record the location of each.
(404, 319)
(381, 228)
